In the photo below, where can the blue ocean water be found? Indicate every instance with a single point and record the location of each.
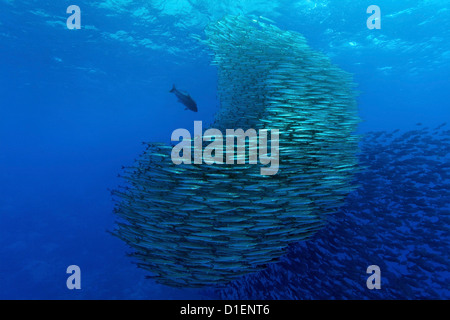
(76, 104)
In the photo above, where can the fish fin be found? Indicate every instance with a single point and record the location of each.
(173, 88)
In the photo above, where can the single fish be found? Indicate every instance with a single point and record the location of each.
(185, 99)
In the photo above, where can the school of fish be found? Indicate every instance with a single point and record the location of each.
(397, 219)
(195, 225)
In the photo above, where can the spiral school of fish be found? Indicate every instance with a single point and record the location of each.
(196, 225)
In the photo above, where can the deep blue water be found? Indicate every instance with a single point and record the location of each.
(75, 106)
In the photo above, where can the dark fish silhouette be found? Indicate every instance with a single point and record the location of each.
(185, 99)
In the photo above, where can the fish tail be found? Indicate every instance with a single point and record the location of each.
(173, 88)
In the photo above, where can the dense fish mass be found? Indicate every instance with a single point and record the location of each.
(397, 219)
(194, 225)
